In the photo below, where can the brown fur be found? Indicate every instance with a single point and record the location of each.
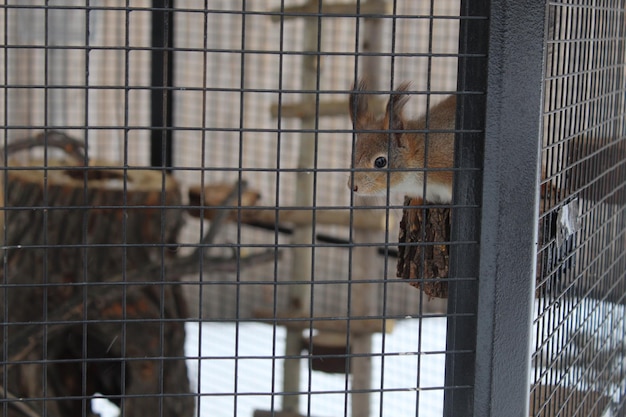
(391, 137)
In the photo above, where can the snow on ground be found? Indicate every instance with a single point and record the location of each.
(237, 386)
(234, 370)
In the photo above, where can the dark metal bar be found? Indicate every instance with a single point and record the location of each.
(464, 259)
(509, 208)
(162, 76)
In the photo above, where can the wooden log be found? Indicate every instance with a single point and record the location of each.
(84, 223)
(126, 355)
(68, 225)
(423, 254)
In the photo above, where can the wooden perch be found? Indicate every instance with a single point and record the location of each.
(359, 219)
(312, 9)
(206, 201)
(423, 255)
(343, 325)
(323, 108)
(263, 413)
(303, 110)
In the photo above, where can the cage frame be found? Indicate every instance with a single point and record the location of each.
(510, 191)
(497, 185)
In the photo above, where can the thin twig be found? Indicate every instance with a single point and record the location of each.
(18, 404)
(222, 215)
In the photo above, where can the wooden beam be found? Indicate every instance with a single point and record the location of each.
(358, 219)
(303, 110)
(263, 413)
(300, 321)
(334, 217)
(252, 214)
(311, 9)
(326, 108)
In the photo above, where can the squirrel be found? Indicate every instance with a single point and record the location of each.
(392, 153)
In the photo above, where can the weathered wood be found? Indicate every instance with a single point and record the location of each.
(299, 296)
(68, 225)
(423, 254)
(134, 326)
(87, 223)
(125, 325)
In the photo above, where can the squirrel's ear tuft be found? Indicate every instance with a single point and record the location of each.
(394, 119)
(359, 112)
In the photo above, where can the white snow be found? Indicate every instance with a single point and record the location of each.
(234, 370)
(237, 386)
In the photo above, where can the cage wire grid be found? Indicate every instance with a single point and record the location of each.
(82, 70)
(579, 324)
(147, 307)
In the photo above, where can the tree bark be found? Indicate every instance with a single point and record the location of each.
(424, 250)
(69, 230)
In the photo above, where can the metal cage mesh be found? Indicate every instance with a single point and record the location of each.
(579, 325)
(115, 117)
(160, 256)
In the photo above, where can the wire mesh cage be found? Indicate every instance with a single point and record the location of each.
(578, 359)
(159, 199)
(188, 227)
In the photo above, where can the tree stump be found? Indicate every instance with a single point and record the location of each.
(423, 255)
(70, 225)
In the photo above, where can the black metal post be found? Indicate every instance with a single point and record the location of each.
(511, 173)
(162, 81)
(464, 259)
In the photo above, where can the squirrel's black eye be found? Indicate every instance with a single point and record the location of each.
(380, 162)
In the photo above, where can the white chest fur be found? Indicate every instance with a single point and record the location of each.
(435, 192)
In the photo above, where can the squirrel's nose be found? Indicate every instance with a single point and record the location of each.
(352, 186)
